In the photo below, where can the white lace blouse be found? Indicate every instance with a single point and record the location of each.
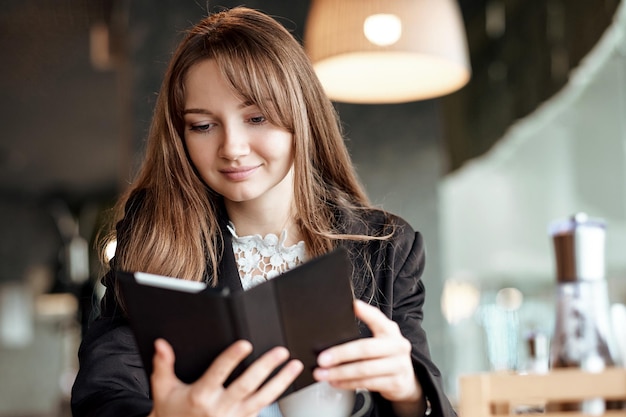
(260, 259)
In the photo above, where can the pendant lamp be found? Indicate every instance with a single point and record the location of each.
(387, 51)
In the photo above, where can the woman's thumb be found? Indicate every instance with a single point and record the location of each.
(163, 366)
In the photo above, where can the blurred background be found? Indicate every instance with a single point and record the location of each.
(537, 134)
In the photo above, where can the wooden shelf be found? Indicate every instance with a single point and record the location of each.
(496, 394)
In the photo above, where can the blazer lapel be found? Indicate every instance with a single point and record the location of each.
(228, 273)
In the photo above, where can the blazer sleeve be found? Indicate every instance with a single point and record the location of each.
(111, 380)
(408, 301)
(400, 294)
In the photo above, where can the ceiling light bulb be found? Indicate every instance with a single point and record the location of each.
(382, 29)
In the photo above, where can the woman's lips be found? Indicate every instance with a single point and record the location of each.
(239, 173)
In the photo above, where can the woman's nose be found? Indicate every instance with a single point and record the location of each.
(234, 144)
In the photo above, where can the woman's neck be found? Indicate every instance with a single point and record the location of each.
(263, 220)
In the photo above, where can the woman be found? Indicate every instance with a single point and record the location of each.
(246, 174)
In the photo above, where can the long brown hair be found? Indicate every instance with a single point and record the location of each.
(176, 229)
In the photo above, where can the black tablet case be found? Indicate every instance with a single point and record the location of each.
(306, 309)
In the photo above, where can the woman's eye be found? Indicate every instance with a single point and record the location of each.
(257, 120)
(201, 128)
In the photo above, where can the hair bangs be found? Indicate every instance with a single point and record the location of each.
(259, 80)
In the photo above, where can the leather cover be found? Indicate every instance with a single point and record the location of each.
(306, 309)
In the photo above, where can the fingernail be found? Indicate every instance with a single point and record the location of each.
(281, 352)
(296, 367)
(245, 346)
(159, 345)
(324, 359)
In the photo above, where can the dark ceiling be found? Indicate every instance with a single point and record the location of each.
(72, 129)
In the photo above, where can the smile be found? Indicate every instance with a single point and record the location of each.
(239, 173)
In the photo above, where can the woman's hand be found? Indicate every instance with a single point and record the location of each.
(207, 397)
(381, 363)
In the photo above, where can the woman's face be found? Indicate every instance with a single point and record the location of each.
(237, 151)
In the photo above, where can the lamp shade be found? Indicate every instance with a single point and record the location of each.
(387, 51)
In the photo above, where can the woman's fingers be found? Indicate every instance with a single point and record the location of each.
(164, 356)
(376, 321)
(387, 365)
(387, 339)
(380, 363)
(364, 349)
(163, 377)
(225, 364)
(246, 395)
(277, 385)
(208, 391)
(249, 389)
(248, 382)
(388, 385)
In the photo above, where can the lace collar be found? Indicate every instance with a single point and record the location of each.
(262, 258)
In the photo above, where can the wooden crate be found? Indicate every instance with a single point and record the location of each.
(495, 394)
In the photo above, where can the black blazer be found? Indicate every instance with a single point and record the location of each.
(111, 381)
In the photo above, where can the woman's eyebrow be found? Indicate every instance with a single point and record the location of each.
(196, 111)
(204, 111)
